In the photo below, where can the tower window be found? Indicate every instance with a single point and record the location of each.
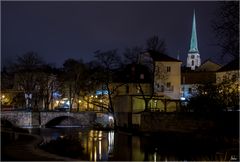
(192, 63)
(192, 56)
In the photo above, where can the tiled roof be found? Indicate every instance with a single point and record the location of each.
(156, 56)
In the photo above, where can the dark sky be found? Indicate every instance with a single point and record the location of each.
(61, 30)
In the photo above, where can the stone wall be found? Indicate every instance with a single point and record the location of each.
(18, 118)
(36, 119)
(190, 122)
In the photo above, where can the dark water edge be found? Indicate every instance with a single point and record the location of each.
(102, 145)
(159, 146)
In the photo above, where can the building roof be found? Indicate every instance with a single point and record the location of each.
(208, 65)
(133, 73)
(157, 56)
(233, 65)
(201, 77)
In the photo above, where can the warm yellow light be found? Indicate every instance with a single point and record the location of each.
(96, 96)
(92, 96)
(3, 96)
(100, 100)
(57, 102)
(79, 101)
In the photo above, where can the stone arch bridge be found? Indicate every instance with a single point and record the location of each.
(48, 118)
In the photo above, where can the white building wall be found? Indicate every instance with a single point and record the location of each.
(173, 76)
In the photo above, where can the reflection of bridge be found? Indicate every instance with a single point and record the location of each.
(36, 119)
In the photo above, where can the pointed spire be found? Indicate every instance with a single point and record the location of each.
(194, 44)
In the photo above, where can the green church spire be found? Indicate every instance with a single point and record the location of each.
(194, 44)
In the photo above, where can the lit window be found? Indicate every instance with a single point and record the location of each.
(138, 89)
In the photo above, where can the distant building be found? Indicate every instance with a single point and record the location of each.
(228, 79)
(205, 73)
(229, 71)
(209, 65)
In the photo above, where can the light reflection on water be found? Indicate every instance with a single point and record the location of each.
(108, 145)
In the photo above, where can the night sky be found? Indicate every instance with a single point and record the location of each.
(61, 30)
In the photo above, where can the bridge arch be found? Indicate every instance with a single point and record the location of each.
(7, 123)
(79, 119)
(63, 121)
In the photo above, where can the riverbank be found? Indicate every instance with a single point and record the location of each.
(19, 146)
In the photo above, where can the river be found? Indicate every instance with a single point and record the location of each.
(109, 145)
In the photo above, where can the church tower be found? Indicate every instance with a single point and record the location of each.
(193, 59)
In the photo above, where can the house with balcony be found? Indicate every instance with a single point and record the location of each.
(155, 81)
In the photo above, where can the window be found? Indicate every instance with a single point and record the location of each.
(192, 63)
(190, 90)
(138, 89)
(182, 88)
(192, 56)
(168, 69)
(127, 89)
(162, 88)
(168, 84)
(141, 76)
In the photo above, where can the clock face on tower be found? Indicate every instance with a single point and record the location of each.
(192, 56)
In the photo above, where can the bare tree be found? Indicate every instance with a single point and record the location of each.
(27, 69)
(109, 62)
(226, 27)
(156, 44)
(73, 78)
(132, 55)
